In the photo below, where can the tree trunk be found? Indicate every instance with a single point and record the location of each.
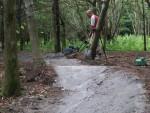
(63, 39)
(2, 24)
(99, 27)
(11, 85)
(144, 26)
(56, 25)
(32, 29)
(19, 12)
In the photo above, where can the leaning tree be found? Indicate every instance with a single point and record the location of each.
(99, 27)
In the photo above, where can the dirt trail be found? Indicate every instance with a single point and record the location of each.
(90, 89)
(94, 90)
(97, 89)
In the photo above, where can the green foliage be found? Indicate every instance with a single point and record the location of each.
(119, 43)
(49, 45)
(127, 43)
(27, 47)
(125, 21)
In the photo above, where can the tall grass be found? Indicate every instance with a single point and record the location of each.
(128, 43)
(119, 43)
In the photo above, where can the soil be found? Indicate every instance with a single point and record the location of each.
(35, 83)
(100, 89)
(39, 93)
(125, 61)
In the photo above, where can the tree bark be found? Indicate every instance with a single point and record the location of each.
(32, 29)
(19, 18)
(144, 26)
(63, 39)
(56, 25)
(99, 27)
(2, 24)
(11, 84)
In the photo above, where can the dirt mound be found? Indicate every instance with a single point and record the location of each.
(43, 74)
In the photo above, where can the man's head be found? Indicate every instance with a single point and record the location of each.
(89, 13)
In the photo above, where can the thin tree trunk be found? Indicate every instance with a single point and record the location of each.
(2, 31)
(37, 58)
(19, 10)
(149, 27)
(63, 39)
(144, 27)
(146, 23)
(99, 27)
(11, 85)
(56, 25)
(2, 24)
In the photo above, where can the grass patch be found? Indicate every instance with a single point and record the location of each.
(119, 43)
(128, 43)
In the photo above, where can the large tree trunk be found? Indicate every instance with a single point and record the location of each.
(56, 25)
(37, 58)
(11, 85)
(99, 27)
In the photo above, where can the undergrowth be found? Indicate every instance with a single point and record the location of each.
(119, 43)
(128, 43)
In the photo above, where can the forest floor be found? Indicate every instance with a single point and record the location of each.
(52, 89)
(34, 84)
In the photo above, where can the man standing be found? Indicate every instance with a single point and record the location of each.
(93, 23)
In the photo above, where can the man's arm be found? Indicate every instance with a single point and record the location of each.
(93, 20)
(93, 23)
(92, 26)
